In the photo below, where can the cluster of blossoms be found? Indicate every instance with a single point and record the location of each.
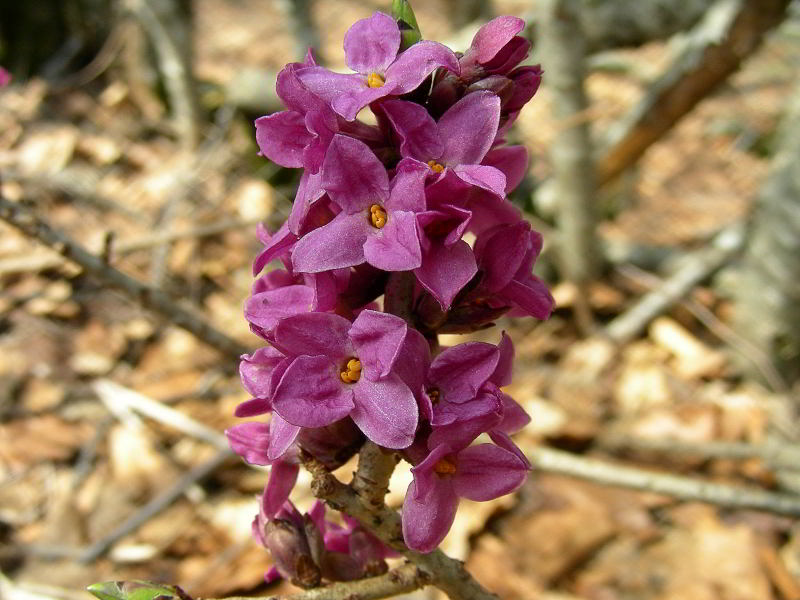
(387, 211)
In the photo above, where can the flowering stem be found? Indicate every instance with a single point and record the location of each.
(375, 468)
(446, 573)
(397, 581)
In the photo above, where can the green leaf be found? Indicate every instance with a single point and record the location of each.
(136, 590)
(404, 15)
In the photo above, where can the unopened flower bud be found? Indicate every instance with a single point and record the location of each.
(332, 445)
(499, 84)
(447, 90)
(288, 545)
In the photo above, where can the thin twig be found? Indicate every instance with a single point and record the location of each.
(446, 573)
(697, 267)
(776, 455)
(115, 393)
(144, 514)
(156, 505)
(683, 488)
(401, 580)
(33, 226)
(41, 261)
(725, 333)
(173, 62)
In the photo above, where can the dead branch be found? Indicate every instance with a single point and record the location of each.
(113, 393)
(697, 267)
(447, 574)
(31, 225)
(682, 488)
(156, 505)
(160, 21)
(41, 261)
(728, 33)
(759, 359)
(397, 581)
(776, 455)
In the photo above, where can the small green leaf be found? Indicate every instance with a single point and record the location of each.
(407, 22)
(136, 590)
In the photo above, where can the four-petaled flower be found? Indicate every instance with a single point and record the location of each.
(371, 49)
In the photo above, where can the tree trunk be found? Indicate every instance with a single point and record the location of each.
(767, 293)
(563, 55)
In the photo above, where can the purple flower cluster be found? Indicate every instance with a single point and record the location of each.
(400, 230)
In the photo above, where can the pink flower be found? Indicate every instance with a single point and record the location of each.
(371, 49)
(480, 473)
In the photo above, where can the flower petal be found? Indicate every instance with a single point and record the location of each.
(483, 176)
(250, 441)
(310, 393)
(491, 37)
(336, 245)
(514, 416)
(385, 411)
(408, 186)
(415, 64)
(282, 138)
(502, 374)
(378, 338)
(418, 132)
(533, 297)
(459, 371)
(500, 253)
(469, 127)
(255, 370)
(371, 45)
(353, 176)
(282, 434)
(314, 334)
(446, 270)
(512, 161)
(282, 477)
(395, 247)
(428, 515)
(266, 309)
(485, 472)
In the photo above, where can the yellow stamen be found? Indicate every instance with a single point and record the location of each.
(375, 80)
(377, 216)
(444, 467)
(435, 167)
(351, 371)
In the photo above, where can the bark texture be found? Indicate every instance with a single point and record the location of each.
(564, 52)
(729, 32)
(767, 293)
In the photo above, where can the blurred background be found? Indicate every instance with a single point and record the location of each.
(664, 175)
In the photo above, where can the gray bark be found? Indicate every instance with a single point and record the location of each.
(730, 32)
(767, 293)
(563, 54)
(610, 24)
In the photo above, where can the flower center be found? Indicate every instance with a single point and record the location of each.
(434, 394)
(351, 371)
(435, 167)
(377, 216)
(375, 80)
(445, 466)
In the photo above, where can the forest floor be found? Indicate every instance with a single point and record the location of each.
(79, 361)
